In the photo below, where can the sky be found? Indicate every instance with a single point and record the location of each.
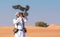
(40, 10)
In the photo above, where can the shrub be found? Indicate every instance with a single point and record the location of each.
(41, 24)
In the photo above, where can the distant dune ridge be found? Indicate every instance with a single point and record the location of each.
(54, 26)
(32, 31)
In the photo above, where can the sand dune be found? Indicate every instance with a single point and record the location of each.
(32, 31)
(53, 26)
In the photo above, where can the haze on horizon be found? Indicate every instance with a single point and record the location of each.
(40, 10)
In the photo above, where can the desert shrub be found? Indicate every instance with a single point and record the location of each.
(41, 24)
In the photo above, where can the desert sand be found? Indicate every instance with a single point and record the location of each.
(32, 31)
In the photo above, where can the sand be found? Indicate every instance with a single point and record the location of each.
(32, 31)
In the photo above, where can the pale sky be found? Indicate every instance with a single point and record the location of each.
(40, 10)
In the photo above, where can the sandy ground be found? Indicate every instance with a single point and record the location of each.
(32, 31)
